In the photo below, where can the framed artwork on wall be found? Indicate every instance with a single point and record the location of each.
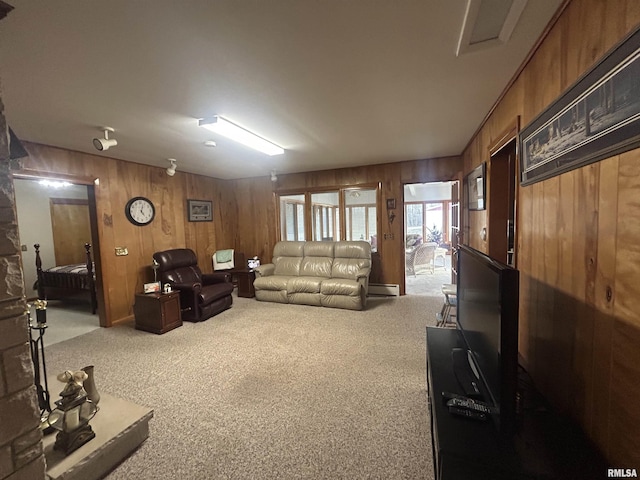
(476, 188)
(200, 210)
(596, 118)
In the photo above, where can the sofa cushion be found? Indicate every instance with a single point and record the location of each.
(348, 302)
(272, 282)
(304, 284)
(316, 267)
(313, 299)
(287, 257)
(340, 286)
(352, 260)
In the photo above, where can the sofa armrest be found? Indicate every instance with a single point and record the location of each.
(265, 270)
(216, 277)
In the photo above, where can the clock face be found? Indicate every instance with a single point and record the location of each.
(140, 211)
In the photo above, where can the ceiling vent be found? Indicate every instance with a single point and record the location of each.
(488, 23)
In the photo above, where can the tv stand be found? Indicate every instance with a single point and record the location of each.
(545, 446)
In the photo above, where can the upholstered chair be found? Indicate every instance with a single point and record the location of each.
(202, 295)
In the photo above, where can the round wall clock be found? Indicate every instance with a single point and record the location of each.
(140, 211)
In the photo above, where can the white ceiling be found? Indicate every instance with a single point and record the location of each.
(336, 83)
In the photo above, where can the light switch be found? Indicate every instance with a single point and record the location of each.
(121, 251)
(23, 248)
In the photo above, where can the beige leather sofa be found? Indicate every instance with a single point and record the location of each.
(328, 274)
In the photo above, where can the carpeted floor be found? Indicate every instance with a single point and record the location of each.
(270, 391)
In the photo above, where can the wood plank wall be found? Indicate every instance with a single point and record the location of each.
(257, 205)
(244, 213)
(118, 182)
(577, 249)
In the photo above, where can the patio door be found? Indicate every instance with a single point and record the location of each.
(428, 222)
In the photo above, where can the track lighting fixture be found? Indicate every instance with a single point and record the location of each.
(106, 142)
(171, 170)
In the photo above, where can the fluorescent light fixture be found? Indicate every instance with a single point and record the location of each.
(230, 130)
(54, 183)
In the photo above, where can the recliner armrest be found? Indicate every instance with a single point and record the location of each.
(265, 270)
(195, 286)
(216, 277)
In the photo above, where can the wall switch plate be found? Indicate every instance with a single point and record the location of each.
(121, 251)
(23, 248)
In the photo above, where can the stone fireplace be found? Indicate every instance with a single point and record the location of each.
(21, 448)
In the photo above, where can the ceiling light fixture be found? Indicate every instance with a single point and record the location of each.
(171, 170)
(106, 142)
(54, 183)
(230, 130)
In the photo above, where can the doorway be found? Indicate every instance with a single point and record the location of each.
(501, 197)
(428, 237)
(58, 218)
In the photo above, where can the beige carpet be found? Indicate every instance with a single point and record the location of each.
(266, 391)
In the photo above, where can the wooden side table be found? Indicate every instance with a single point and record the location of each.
(157, 312)
(245, 283)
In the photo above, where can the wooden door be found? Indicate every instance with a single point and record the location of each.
(501, 203)
(71, 229)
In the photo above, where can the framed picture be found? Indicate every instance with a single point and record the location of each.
(152, 287)
(596, 118)
(391, 203)
(200, 210)
(475, 187)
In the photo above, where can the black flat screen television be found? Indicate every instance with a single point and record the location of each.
(487, 318)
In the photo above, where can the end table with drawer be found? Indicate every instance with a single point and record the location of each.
(157, 312)
(246, 278)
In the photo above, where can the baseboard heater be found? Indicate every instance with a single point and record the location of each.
(384, 289)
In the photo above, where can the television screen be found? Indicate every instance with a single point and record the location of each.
(487, 317)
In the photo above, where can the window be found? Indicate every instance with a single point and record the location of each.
(292, 217)
(341, 214)
(326, 216)
(429, 220)
(361, 216)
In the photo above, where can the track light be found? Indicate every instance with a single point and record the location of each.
(106, 142)
(171, 170)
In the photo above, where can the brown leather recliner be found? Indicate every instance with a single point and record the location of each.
(202, 295)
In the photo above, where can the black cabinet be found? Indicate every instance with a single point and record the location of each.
(546, 445)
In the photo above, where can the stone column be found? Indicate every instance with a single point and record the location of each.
(21, 452)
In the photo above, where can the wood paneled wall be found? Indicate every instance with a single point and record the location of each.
(256, 205)
(119, 181)
(577, 249)
(244, 213)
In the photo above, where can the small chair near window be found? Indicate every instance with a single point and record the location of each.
(422, 255)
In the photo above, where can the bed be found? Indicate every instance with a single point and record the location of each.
(67, 281)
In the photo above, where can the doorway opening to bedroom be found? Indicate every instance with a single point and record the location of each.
(60, 218)
(430, 220)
